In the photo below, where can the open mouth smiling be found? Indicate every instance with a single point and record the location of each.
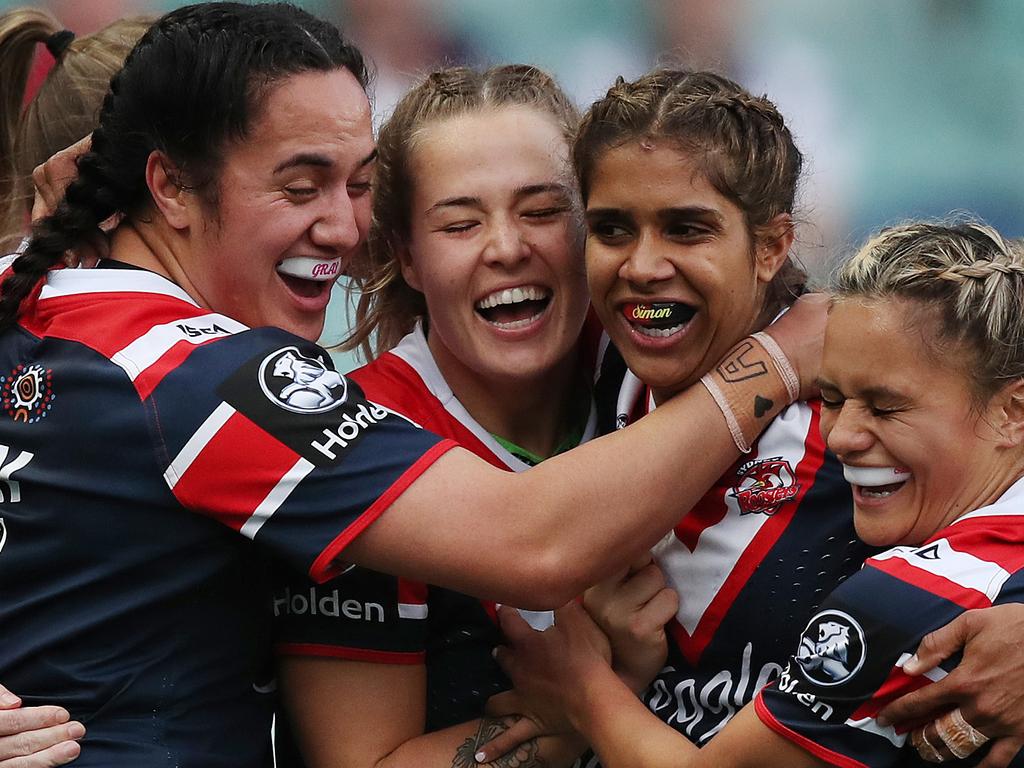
(659, 319)
(512, 308)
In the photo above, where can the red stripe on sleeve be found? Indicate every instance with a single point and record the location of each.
(351, 654)
(825, 754)
(897, 684)
(412, 592)
(325, 567)
(937, 585)
(234, 472)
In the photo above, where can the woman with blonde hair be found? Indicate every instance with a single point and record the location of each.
(41, 116)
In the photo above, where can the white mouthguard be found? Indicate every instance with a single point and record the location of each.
(869, 477)
(311, 269)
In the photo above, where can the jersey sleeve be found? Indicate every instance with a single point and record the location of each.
(361, 615)
(259, 432)
(848, 665)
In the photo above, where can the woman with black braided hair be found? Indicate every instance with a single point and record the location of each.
(155, 407)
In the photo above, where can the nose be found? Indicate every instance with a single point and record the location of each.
(506, 246)
(645, 264)
(845, 431)
(340, 224)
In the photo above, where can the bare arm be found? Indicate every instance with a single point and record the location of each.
(561, 526)
(349, 714)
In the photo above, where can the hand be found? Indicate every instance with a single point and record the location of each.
(36, 737)
(632, 609)
(51, 179)
(548, 667)
(987, 685)
(801, 335)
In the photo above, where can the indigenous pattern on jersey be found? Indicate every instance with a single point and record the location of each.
(139, 434)
(394, 621)
(751, 561)
(848, 662)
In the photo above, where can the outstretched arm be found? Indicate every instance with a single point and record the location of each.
(537, 538)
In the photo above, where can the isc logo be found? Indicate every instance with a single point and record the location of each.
(193, 332)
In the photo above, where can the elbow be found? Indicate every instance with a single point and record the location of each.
(548, 579)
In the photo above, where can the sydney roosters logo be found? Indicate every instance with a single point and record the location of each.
(764, 485)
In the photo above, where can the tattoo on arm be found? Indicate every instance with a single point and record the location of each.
(524, 756)
(734, 368)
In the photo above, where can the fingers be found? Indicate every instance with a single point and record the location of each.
(502, 704)
(522, 730)
(52, 177)
(1002, 753)
(14, 721)
(939, 645)
(920, 704)
(513, 626)
(661, 608)
(42, 746)
(7, 699)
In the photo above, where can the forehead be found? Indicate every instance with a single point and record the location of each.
(325, 113)
(888, 341)
(653, 173)
(512, 145)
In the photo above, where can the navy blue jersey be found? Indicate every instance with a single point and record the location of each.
(751, 561)
(397, 621)
(139, 435)
(848, 660)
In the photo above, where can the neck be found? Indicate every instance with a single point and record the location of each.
(533, 413)
(150, 244)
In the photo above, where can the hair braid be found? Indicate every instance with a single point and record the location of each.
(966, 274)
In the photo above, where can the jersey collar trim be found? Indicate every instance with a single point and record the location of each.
(71, 282)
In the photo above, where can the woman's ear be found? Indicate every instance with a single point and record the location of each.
(771, 246)
(409, 272)
(1007, 411)
(170, 196)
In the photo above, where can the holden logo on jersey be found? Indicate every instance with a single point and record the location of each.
(26, 393)
(301, 384)
(764, 486)
(832, 648)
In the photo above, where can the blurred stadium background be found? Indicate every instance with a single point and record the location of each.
(902, 107)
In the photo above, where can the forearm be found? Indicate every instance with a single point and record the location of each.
(538, 538)
(455, 747)
(622, 731)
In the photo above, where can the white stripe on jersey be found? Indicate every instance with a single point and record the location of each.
(889, 732)
(412, 610)
(413, 350)
(701, 574)
(1010, 503)
(197, 442)
(70, 282)
(940, 559)
(158, 340)
(277, 496)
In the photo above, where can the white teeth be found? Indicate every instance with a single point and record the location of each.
(516, 323)
(513, 296)
(659, 333)
(869, 477)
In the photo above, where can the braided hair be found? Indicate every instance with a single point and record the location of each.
(740, 142)
(388, 307)
(966, 279)
(195, 81)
